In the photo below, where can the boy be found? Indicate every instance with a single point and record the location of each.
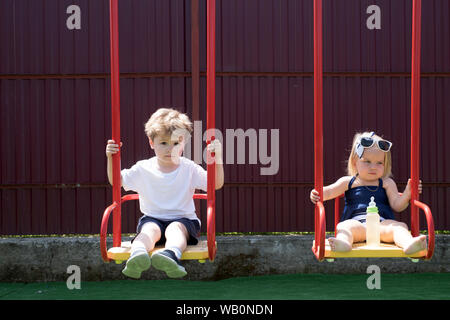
(166, 184)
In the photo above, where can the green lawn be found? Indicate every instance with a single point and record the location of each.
(416, 286)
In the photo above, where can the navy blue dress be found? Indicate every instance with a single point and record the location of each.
(357, 200)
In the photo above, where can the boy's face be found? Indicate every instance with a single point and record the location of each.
(168, 147)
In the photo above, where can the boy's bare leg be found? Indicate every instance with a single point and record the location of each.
(176, 237)
(146, 239)
(139, 260)
(398, 233)
(168, 260)
(348, 232)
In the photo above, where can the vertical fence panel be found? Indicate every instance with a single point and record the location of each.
(55, 103)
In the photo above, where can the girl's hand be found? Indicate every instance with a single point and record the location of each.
(112, 148)
(408, 188)
(314, 196)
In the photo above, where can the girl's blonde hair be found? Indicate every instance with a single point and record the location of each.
(167, 121)
(351, 163)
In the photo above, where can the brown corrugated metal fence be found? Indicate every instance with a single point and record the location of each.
(55, 100)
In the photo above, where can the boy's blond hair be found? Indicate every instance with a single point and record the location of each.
(351, 167)
(167, 121)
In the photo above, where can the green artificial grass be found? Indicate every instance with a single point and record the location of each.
(415, 286)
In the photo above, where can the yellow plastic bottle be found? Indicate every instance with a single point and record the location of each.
(372, 224)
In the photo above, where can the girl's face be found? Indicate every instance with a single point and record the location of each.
(371, 165)
(168, 148)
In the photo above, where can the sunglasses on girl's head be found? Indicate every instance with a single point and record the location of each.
(367, 142)
(383, 145)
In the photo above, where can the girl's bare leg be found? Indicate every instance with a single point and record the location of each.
(348, 232)
(398, 233)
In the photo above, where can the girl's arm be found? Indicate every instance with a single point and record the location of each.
(399, 202)
(332, 191)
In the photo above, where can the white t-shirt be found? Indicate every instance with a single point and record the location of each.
(165, 196)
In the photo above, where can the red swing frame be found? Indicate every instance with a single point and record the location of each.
(319, 214)
(116, 206)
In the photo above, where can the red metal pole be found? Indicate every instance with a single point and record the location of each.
(195, 73)
(318, 113)
(195, 61)
(211, 89)
(318, 100)
(210, 119)
(115, 117)
(415, 114)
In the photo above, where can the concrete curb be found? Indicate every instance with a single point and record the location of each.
(47, 259)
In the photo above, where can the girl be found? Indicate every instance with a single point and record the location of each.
(369, 169)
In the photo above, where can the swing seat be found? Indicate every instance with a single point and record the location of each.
(197, 252)
(322, 249)
(361, 250)
(205, 249)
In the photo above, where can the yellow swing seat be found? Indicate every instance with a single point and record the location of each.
(194, 252)
(204, 249)
(361, 250)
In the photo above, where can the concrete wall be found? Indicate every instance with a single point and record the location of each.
(47, 259)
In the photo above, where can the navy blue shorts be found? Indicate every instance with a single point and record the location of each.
(192, 226)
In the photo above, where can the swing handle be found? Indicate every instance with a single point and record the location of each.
(211, 224)
(319, 231)
(430, 224)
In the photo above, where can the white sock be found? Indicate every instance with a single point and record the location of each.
(137, 251)
(176, 251)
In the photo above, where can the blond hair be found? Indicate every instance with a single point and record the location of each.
(167, 121)
(351, 163)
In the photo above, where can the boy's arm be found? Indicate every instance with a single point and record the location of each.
(219, 176)
(216, 147)
(111, 148)
(109, 169)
